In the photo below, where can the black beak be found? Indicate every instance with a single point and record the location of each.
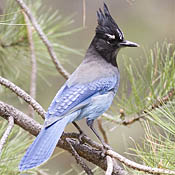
(126, 43)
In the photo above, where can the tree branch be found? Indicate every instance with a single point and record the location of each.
(44, 38)
(99, 121)
(7, 132)
(163, 100)
(29, 125)
(16, 43)
(33, 64)
(125, 121)
(87, 152)
(21, 119)
(79, 160)
(137, 166)
(109, 165)
(141, 115)
(84, 13)
(21, 93)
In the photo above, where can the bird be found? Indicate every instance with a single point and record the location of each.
(88, 92)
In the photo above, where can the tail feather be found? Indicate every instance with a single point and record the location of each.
(43, 146)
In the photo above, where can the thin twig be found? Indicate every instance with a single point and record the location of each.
(33, 65)
(16, 43)
(163, 100)
(109, 165)
(84, 13)
(21, 93)
(85, 139)
(7, 132)
(137, 166)
(132, 120)
(79, 159)
(44, 38)
(41, 172)
(130, 2)
(123, 122)
(141, 115)
(99, 121)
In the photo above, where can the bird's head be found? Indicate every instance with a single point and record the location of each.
(109, 38)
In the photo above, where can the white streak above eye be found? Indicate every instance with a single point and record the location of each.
(110, 36)
(120, 34)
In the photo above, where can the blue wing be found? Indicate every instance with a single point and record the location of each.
(68, 98)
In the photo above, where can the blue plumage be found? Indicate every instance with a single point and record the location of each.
(71, 96)
(43, 146)
(88, 93)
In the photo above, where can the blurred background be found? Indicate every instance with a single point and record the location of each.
(142, 21)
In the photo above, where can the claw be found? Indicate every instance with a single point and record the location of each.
(81, 135)
(105, 148)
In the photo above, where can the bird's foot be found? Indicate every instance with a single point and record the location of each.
(80, 137)
(81, 133)
(105, 148)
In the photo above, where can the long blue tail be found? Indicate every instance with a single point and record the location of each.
(43, 146)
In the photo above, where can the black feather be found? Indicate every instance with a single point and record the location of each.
(106, 24)
(106, 10)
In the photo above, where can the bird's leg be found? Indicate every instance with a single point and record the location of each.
(78, 128)
(80, 131)
(90, 124)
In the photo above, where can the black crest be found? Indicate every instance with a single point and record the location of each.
(107, 25)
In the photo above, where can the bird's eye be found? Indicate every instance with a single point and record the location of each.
(110, 41)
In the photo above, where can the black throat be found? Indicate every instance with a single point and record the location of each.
(108, 54)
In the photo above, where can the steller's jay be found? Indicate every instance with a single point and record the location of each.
(88, 93)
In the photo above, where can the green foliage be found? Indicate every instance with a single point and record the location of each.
(158, 145)
(14, 47)
(145, 80)
(13, 150)
(149, 83)
(149, 78)
(12, 36)
(15, 65)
